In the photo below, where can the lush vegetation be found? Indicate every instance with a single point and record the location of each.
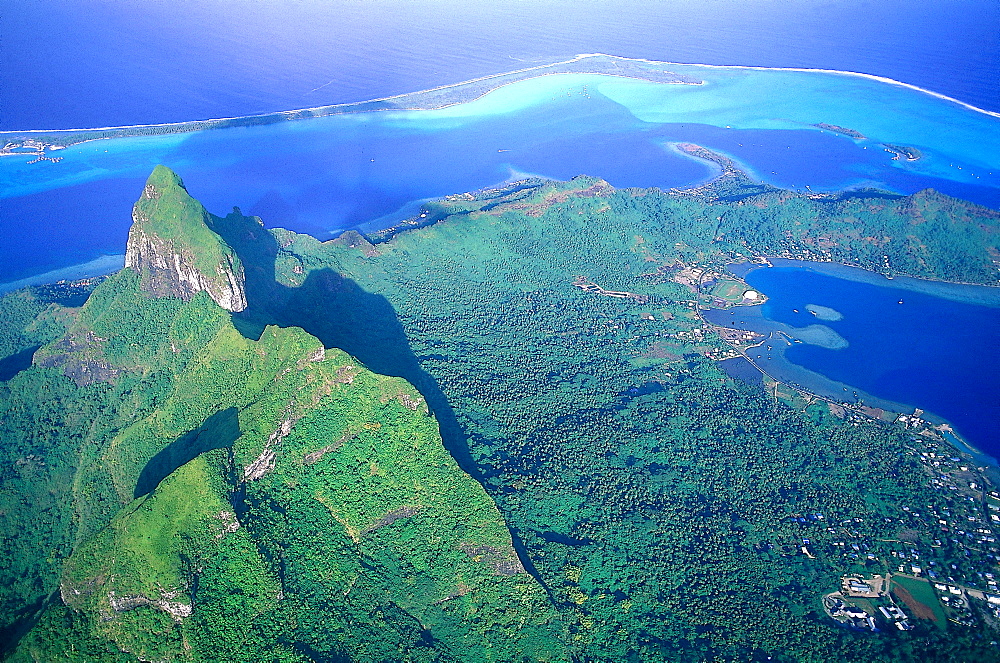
(659, 500)
(176, 251)
(284, 484)
(342, 484)
(323, 520)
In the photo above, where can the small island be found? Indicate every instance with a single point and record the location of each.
(824, 313)
(844, 131)
(903, 152)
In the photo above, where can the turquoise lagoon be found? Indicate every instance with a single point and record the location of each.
(322, 175)
(369, 169)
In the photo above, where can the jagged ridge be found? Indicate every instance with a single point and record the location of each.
(227, 498)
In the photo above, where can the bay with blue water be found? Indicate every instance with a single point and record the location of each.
(325, 174)
(898, 344)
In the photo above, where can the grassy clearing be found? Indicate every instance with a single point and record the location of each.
(919, 597)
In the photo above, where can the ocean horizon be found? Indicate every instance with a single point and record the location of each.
(502, 331)
(322, 175)
(170, 62)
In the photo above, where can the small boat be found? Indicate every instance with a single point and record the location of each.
(900, 301)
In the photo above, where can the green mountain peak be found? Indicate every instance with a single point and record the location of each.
(163, 176)
(171, 245)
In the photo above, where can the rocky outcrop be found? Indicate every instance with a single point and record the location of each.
(177, 609)
(80, 355)
(503, 562)
(265, 461)
(168, 272)
(174, 250)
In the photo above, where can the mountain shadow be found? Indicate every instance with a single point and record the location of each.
(217, 432)
(12, 365)
(341, 314)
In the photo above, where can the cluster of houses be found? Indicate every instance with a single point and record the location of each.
(893, 615)
(957, 599)
(950, 542)
(718, 354)
(848, 614)
(875, 593)
(952, 539)
(971, 512)
(865, 603)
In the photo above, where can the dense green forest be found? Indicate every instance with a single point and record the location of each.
(442, 444)
(174, 490)
(653, 493)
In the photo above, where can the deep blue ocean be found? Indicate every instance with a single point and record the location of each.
(98, 63)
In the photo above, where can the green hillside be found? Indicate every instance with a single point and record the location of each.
(663, 502)
(498, 433)
(317, 510)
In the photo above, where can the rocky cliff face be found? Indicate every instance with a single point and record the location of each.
(168, 271)
(175, 251)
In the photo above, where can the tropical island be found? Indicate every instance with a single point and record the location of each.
(498, 431)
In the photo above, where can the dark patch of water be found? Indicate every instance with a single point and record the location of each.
(929, 352)
(556, 537)
(741, 369)
(65, 226)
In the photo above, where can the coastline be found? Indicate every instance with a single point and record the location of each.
(873, 77)
(642, 69)
(107, 264)
(815, 385)
(809, 383)
(720, 165)
(979, 294)
(463, 92)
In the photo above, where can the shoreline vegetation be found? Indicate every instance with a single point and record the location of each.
(864, 404)
(898, 152)
(845, 131)
(729, 177)
(548, 340)
(102, 266)
(731, 173)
